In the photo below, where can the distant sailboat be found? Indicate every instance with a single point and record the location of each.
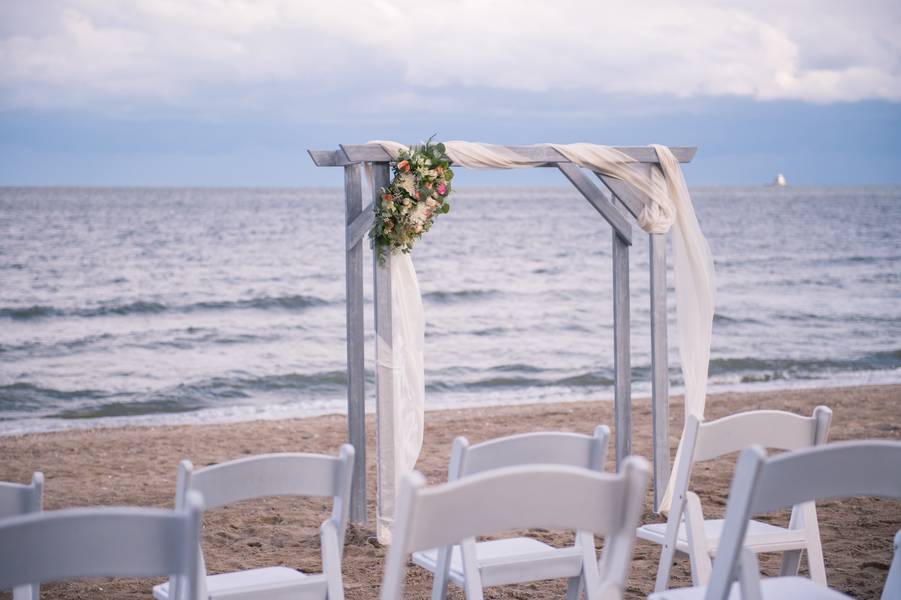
(779, 181)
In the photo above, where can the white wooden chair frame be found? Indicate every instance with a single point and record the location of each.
(763, 485)
(267, 475)
(688, 532)
(102, 542)
(21, 499)
(522, 559)
(551, 496)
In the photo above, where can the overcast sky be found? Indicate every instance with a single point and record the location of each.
(204, 92)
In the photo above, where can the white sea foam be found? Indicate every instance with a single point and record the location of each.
(336, 406)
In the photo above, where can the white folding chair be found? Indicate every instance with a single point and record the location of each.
(102, 542)
(21, 499)
(552, 496)
(518, 559)
(687, 531)
(762, 485)
(265, 475)
(892, 589)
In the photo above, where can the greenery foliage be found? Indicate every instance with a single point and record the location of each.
(418, 192)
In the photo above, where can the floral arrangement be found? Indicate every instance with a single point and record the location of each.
(417, 192)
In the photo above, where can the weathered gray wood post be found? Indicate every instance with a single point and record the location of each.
(659, 365)
(622, 239)
(356, 361)
(622, 363)
(384, 379)
(633, 202)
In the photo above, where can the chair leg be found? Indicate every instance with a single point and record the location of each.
(574, 588)
(814, 546)
(791, 559)
(749, 576)
(791, 562)
(701, 565)
(439, 587)
(816, 564)
(667, 556)
(26, 592)
(472, 574)
(668, 547)
(440, 576)
(331, 560)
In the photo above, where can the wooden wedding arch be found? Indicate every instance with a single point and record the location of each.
(622, 200)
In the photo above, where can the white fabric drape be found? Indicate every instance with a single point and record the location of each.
(670, 207)
(667, 206)
(401, 362)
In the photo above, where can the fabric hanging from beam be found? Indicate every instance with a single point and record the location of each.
(667, 206)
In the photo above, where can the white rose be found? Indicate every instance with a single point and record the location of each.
(421, 214)
(407, 182)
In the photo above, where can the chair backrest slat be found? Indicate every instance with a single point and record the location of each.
(840, 470)
(95, 542)
(547, 496)
(774, 429)
(287, 474)
(559, 448)
(517, 498)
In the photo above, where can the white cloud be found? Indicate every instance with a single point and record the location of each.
(193, 53)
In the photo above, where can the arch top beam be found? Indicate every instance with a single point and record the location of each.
(354, 153)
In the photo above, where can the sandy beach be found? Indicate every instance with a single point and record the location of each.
(136, 466)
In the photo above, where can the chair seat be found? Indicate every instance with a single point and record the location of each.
(761, 537)
(774, 588)
(510, 560)
(272, 583)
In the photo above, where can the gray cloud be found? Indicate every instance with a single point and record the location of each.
(382, 56)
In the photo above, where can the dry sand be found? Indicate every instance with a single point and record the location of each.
(136, 466)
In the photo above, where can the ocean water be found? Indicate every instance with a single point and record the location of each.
(131, 306)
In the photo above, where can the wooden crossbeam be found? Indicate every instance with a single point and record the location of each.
(544, 154)
(359, 227)
(597, 199)
(630, 197)
(328, 158)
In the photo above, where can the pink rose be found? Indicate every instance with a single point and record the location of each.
(442, 188)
